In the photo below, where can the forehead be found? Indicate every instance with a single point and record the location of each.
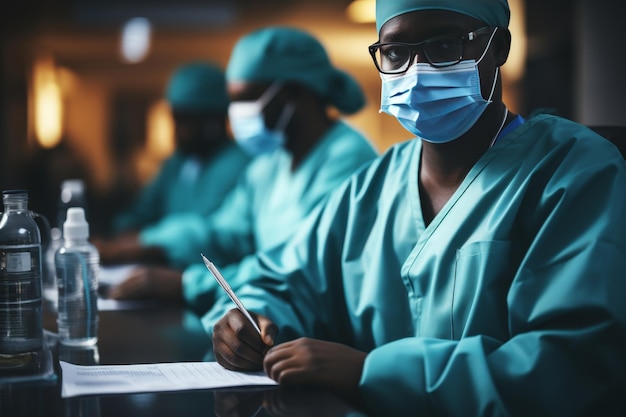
(245, 91)
(423, 24)
(193, 117)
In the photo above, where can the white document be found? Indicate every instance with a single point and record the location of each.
(122, 379)
(108, 304)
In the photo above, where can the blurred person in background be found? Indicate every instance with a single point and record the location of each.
(195, 178)
(281, 84)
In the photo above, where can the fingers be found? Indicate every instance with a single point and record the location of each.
(288, 363)
(125, 290)
(236, 344)
(135, 286)
(310, 361)
(237, 357)
(292, 372)
(269, 331)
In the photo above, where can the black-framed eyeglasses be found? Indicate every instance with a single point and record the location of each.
(440, 51)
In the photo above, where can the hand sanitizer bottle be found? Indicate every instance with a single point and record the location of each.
(77, 265)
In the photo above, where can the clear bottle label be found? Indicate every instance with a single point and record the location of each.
(18, 283)
(21, 328)
(18, 262)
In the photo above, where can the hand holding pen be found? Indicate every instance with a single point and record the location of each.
(240, 338)
(224, 284)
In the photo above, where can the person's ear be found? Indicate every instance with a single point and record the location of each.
(501, 46)
(298, 95)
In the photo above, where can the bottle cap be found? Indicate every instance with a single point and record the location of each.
(75, 226)
(7, 192)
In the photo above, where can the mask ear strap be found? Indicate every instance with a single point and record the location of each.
(493, 86)
(488, 45)
(269, 94)
(285, 117)
(495, 78)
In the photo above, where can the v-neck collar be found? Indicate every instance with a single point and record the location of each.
(426, 232)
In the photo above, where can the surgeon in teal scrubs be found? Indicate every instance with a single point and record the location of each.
(204, 167)
(477, 270)
(281, 84)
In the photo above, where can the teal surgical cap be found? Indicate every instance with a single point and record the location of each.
(287, 54)
(198, 87)
(492, 12)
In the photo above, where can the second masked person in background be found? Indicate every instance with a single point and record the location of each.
(281, 85)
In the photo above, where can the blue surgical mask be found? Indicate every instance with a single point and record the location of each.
(248, 123)
(436, 104)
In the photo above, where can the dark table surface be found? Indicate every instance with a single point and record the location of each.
(155, 334)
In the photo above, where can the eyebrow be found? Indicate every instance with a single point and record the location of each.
(402, 35)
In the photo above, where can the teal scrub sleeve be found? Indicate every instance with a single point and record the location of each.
(229, 232)
(178, 235)
(223, 237)
(149, 205)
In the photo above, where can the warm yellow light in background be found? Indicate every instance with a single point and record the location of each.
(47, 104)
(362, 11)
(515, 65)
(160, 130)
(159, 141)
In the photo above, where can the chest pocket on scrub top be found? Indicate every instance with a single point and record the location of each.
(482, 277)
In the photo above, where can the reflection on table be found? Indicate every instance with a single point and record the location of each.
(155, 334)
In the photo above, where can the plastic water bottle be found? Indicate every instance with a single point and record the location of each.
(21, 325)
(77, 265)
(72, 195)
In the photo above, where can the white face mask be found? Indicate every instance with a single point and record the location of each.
(248, 123)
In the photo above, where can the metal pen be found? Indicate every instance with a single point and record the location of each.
(220, 280)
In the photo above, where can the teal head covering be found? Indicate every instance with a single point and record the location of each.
(287, 54)
(198, 87)
(492, 12)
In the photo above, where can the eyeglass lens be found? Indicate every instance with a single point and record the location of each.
(439, 52)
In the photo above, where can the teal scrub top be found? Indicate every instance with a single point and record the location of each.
(510, 302)
(184, 184)
(265, 208)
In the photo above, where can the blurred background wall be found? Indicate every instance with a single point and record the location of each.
(72, 105)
